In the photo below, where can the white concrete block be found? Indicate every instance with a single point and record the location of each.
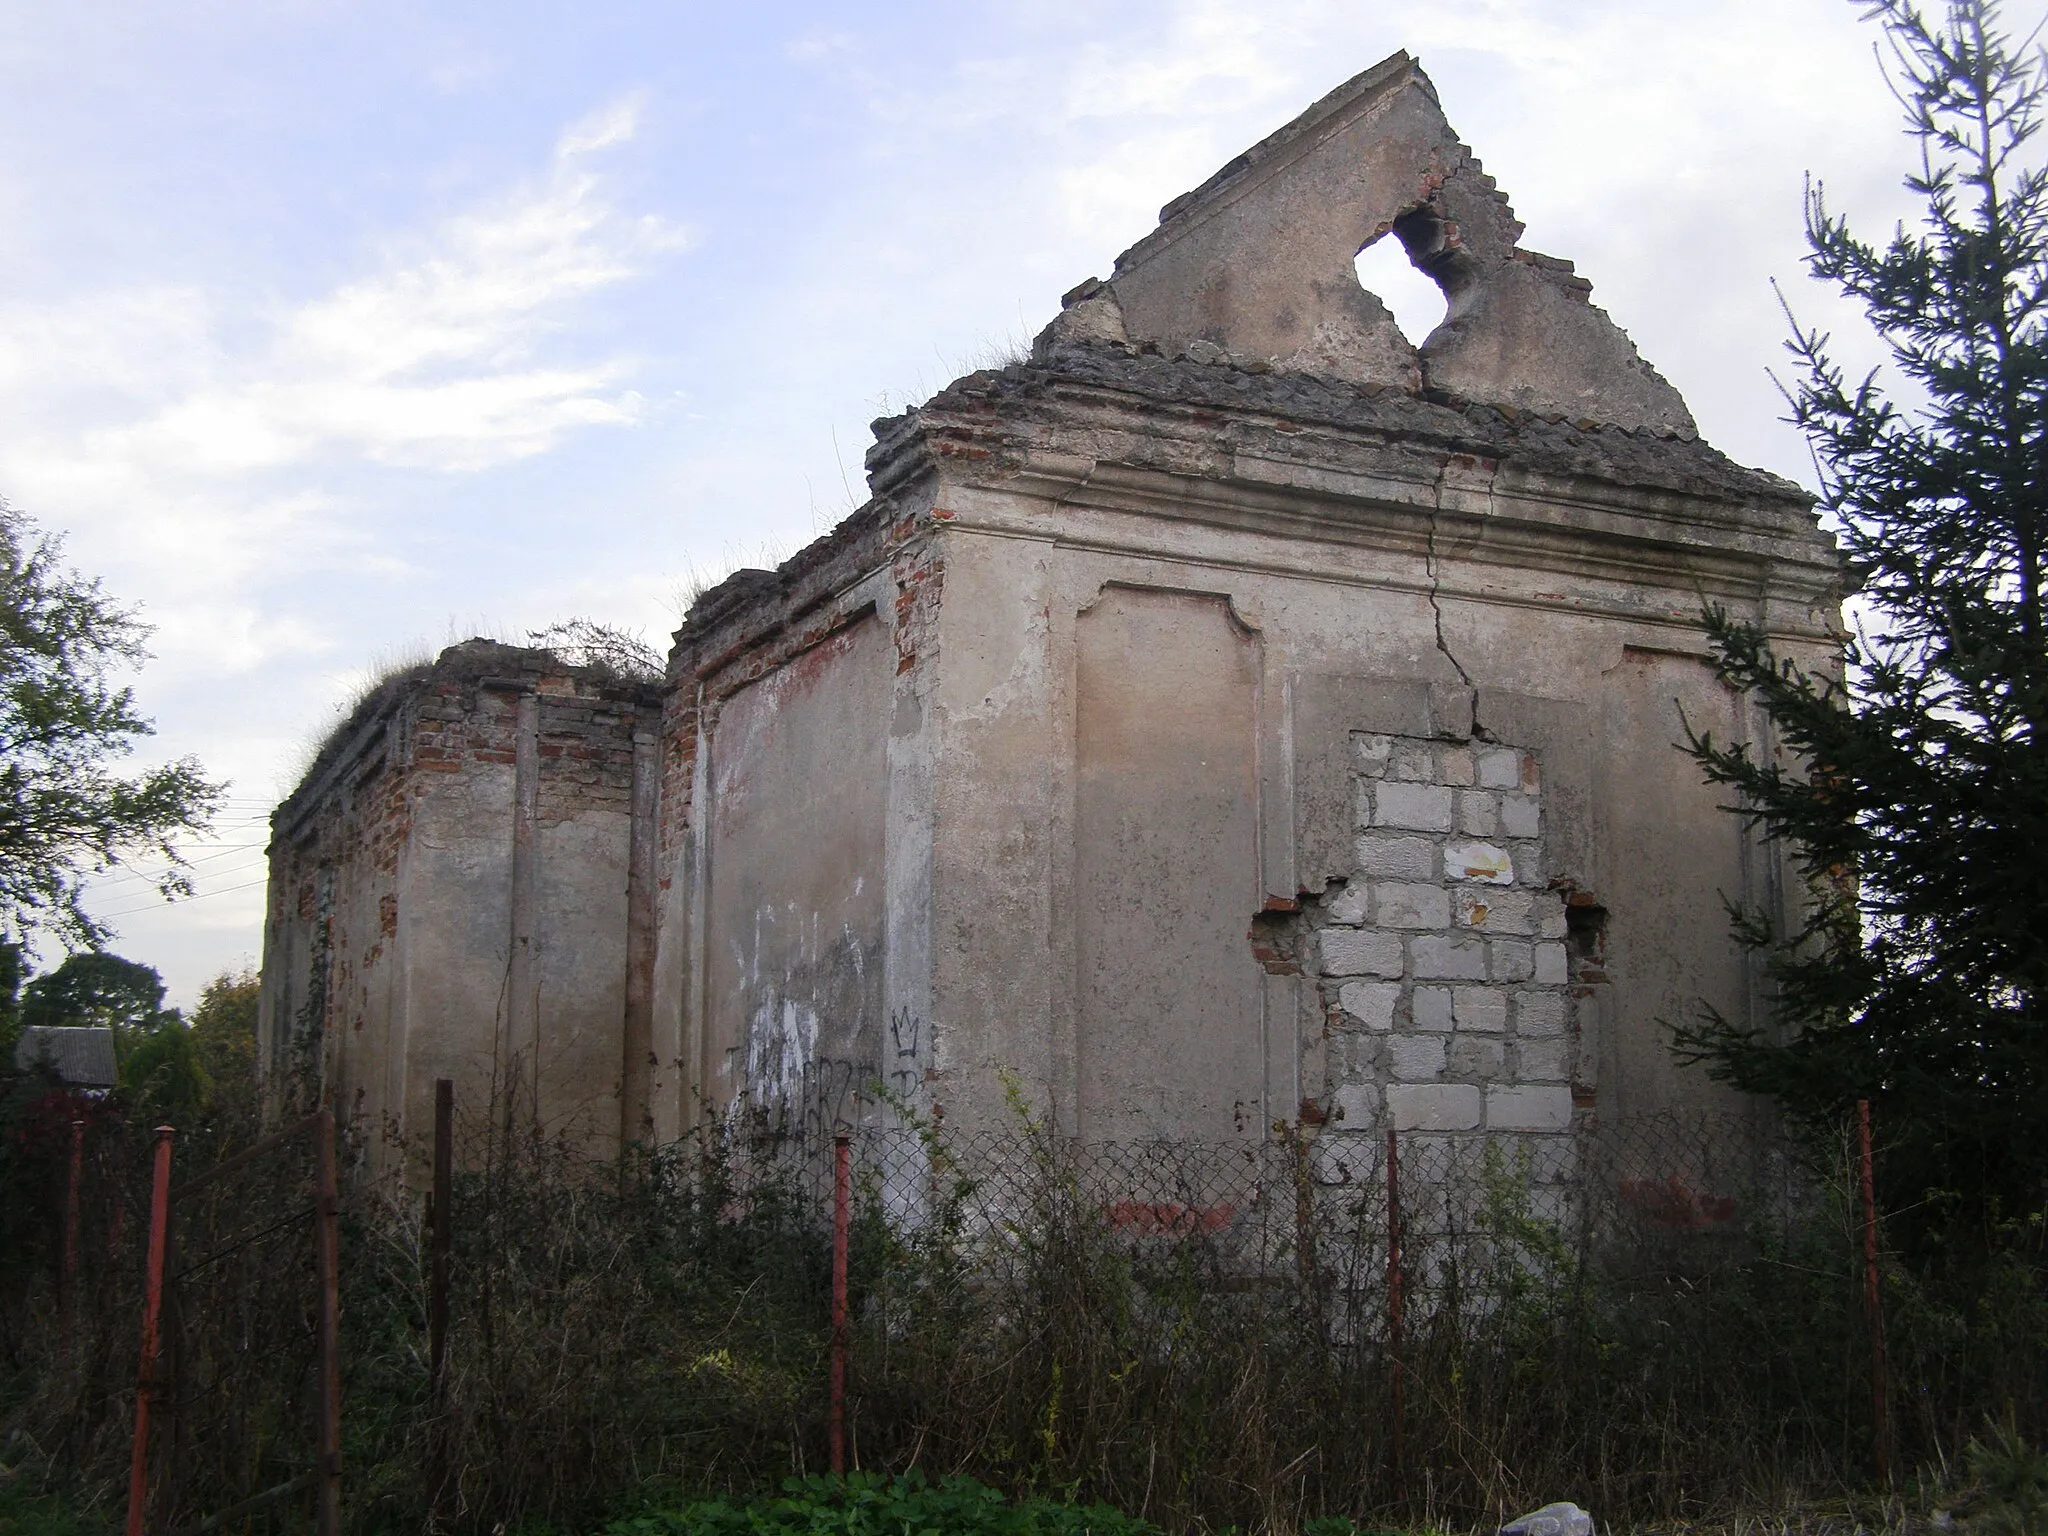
(1520, 816)
(1357, 1106)
(1430, 1008)
(1359, 952)
(1446, 957)
(1434, 1106)
(1528, 1108)
(1552, 968)
(1397, 858)
(1478, 813)
(1500, 768)
(1539, 1014)
(1474, 1057)
(1510, 959)
(1416, 807)
(1412, 761)
(1370, 752)
(1481, 1009)
(1479, 861)
(1492, 909)
(1416, 1058)
(1548, 909)
(1370, 1002)
(1344, 1159)
(1399, 904)
(1544, 1061)
(1348, 905)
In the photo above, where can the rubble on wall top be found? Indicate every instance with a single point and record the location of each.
(470, 662)
(1548, 442)
(1257, 263)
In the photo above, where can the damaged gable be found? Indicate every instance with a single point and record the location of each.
(1258, 264)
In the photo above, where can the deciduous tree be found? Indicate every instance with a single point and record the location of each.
(65, 812)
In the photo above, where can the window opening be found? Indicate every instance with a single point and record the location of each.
(1385, 271)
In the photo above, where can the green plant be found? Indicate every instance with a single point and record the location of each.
(27, 1513)
(1913, 788)
(2010, 1497)
(1070, 1326)
(62, 721)
(870, 1504)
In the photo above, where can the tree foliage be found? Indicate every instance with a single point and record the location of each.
(95, 987)
(224, 1032)
(1914, 788)
(171, 1068)
(64, 812)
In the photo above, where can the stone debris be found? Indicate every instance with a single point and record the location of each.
(1551, 1520)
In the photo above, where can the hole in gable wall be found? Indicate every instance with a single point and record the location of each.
(1385, 271)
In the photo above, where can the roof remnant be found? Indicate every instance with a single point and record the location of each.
(1256, 265)
(79, 1056)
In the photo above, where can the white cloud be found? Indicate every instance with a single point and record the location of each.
(433, 359)
(206, 437)
(221, 453)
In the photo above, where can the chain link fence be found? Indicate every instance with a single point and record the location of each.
(1657, 1316)
(1680, 1186)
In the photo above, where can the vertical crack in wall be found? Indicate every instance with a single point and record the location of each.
(1434, 568)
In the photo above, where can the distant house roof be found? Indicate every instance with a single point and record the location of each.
(81, 1057)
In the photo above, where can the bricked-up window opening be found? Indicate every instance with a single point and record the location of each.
(1438, 960)
(1386, 271)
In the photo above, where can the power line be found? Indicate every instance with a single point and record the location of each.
(151, 906)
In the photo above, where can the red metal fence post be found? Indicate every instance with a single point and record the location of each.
(327, 1245)
(1394, 1300)
(152, 1307)
(1879, 1429)
(67, 1296)
(842, 1194)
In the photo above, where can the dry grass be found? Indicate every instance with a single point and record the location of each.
(657, 1328)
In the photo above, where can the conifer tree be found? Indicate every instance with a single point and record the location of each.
(1915, 791)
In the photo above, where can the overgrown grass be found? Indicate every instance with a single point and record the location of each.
(29, 1511)
(652, 1335)
(867, 1504)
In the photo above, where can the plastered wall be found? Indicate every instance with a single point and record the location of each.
(1165, 869)
(793, 886)
(1256, 833)
(1231, 717)
(451, 896)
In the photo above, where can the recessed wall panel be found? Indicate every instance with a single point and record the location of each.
(795, 901)
(1169, 1039)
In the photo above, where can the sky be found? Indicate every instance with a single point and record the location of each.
(332, 333)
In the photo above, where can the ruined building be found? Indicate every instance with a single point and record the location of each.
(1230, 715)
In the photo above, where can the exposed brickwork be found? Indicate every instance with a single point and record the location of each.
(755, 622)
(586, 754)
(339, 841)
